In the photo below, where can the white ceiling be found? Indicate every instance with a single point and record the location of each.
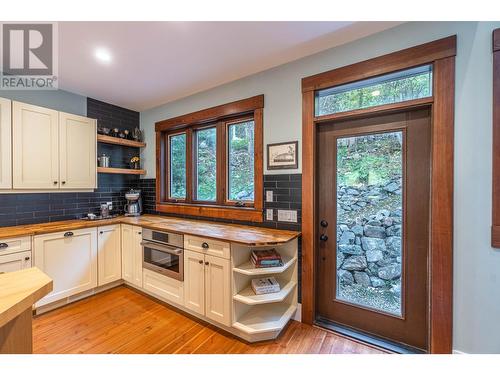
(158, 62)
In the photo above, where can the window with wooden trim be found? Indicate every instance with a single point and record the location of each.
(209, 163)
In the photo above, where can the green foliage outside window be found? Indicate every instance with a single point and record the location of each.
(206, 164)
(385, 92)
(369, 160)
(178, 166)
(241, 161)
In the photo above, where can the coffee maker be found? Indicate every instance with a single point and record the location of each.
(134, 203)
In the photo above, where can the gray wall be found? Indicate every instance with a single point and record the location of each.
(476, 264)
(59, 100)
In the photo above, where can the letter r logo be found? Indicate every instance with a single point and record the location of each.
(27, 49)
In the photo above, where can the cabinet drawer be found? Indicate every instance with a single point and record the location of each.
(15, 262)
(15, 245)
(208, 246)
(163, 286)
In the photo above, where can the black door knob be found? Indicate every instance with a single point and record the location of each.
(323, 237)
(323, 223)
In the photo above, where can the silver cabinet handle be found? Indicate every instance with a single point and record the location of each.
(68, 234)
(4, 245)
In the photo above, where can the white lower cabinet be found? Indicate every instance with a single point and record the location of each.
(218, 289)
(109, 254)
(15, 262)
(70, 260)
(163, 286)
(207, 286)
(194, 281)
(132, 254)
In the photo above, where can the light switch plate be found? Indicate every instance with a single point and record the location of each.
(269, 195)
(269, 214)
(289, 216)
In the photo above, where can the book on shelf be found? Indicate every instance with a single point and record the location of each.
(265, 285)
(266, 258)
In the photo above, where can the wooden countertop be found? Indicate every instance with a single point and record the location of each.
(20, 290)
(243, 234)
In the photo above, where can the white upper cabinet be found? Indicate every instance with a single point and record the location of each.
(77, 146)
(50, 149)
(35, 141)
(5, 144)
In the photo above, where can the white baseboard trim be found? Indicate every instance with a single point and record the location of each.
(458, 352)
(298, 313)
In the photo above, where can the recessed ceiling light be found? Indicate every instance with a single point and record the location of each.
(103, 55)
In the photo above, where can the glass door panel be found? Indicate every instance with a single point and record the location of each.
(369, 175)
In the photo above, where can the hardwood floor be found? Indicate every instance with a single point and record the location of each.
(121, 320)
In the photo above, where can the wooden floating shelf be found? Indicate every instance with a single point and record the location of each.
(119, 141)
(266, 318)
(249, 269)
(248, 297)
(120, 170)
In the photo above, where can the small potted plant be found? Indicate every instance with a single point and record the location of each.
(135, 162)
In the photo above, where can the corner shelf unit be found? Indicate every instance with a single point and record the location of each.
(262, 317)
(119, 141)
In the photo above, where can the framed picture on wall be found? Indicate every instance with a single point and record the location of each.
(283, 155)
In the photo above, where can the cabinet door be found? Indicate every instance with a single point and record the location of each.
(194, 281)
(217, 289)
(15, 262)
(70, 260)
(127, 251)
(5, 144)
(132, 255)
(77, 146)
(109, 255)
(137, 254)
(35, 142)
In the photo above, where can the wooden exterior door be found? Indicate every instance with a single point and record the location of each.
(373, 181)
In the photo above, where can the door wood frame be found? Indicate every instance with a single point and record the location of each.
(441, 54)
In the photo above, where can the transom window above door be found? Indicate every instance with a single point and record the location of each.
(409, 84)
(209, 163)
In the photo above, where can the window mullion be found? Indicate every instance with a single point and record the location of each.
(190, 169)
(221, 163)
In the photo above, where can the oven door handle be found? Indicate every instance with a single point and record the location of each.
(163, 248)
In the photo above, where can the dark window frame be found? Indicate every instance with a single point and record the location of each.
(220, 117)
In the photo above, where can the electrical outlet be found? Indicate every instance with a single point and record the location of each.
(269, 195)
(289, 216)
(110, 205)
(269, 214)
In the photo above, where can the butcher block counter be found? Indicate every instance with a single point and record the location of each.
(243, 234)
(18, 293)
